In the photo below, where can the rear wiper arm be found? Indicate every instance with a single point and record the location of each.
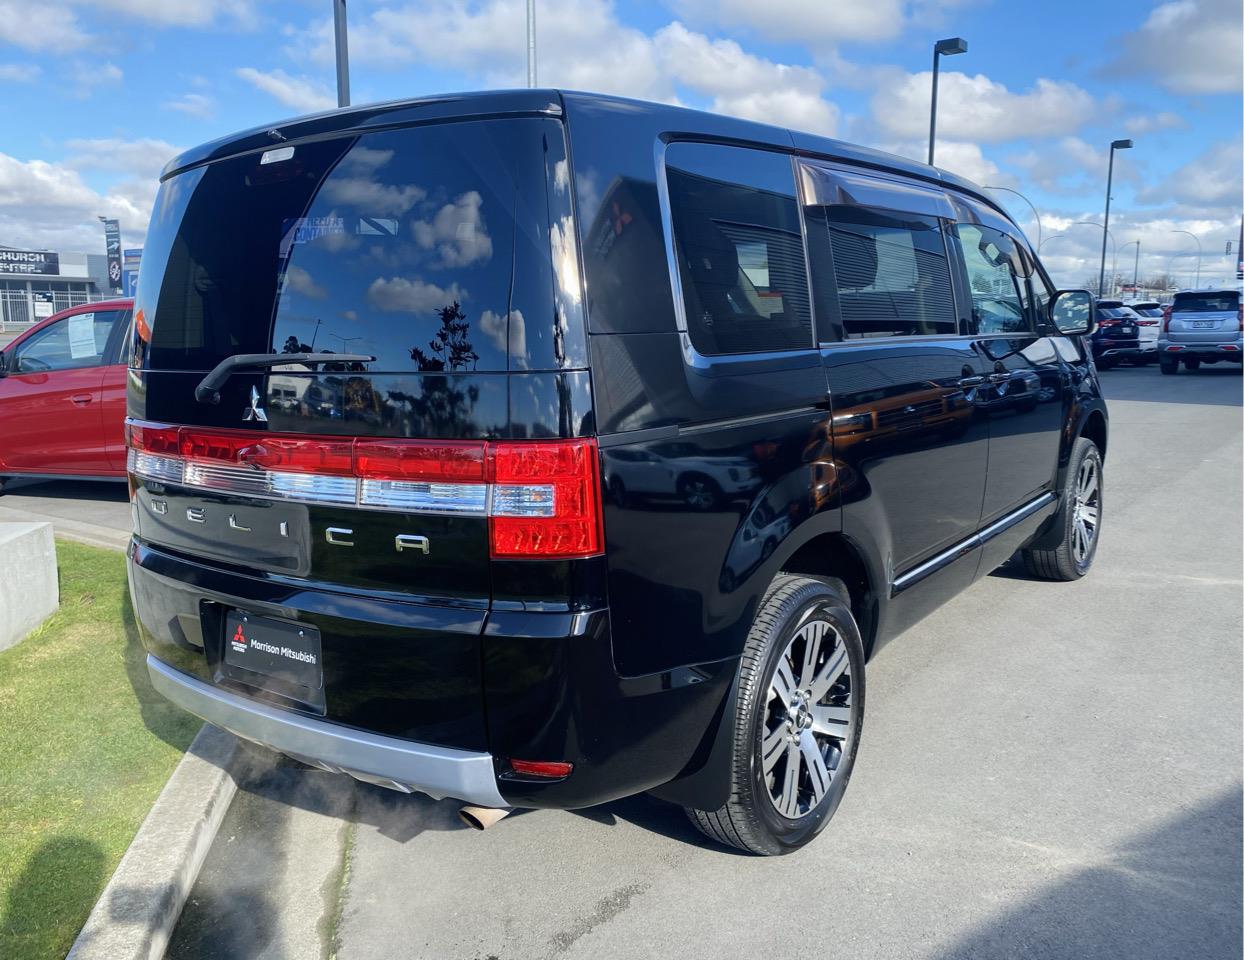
(208, 390)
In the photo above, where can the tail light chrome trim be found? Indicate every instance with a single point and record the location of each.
(542, 498)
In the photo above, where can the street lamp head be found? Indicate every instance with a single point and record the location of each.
(952, 45)
(1121, 145)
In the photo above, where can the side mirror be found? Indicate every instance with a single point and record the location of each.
(1074, 313)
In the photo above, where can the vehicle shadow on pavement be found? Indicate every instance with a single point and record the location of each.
(1174, 891)
(104, 491)
(656, 816)
(49, 901)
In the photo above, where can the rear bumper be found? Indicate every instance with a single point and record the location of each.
(389, 761)
(1228, 350)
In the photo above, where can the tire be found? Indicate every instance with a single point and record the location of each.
(1168, 366)
(699, 492)
(1071, 558)
(794, 613)
(1192, 363)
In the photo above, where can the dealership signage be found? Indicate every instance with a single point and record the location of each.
(129, 270)
(30, 261)
(112, 238)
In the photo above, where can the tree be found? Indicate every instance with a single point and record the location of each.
(451, 345)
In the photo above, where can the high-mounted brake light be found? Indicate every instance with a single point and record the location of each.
(542, 498)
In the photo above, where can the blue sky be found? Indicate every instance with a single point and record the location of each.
(100, 93)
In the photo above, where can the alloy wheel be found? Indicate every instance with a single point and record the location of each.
(1086, 514)
(807, 727)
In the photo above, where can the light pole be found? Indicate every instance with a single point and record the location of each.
(343, 53)
(1187, 233)
(1030, 207)
(1114, 145)
(531, 43)
(948, 47)
(1136, 265)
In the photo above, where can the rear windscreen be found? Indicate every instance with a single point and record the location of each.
(435, 248)
(1221, 302)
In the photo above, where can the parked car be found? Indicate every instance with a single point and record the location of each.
(62, 396)
(1202, 326)
(429, 589)
(1121, 335)
(1149, 320)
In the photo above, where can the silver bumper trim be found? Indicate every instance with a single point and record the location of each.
(401, 764)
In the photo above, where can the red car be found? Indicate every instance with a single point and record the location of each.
(62, 395)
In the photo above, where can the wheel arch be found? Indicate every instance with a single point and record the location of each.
(705, 783)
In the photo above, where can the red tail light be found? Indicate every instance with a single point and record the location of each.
(1240, 318)
(542, 498)
(545, 499)
(1166, 319)
(1108, 323)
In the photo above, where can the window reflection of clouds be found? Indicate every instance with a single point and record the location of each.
(457, 232)
(300, 281)
(508, 335)
(397, 294)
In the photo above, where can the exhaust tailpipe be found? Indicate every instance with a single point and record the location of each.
(481, 818)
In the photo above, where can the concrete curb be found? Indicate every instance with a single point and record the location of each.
(138, 910)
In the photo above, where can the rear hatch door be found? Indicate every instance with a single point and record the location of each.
(1205, 317)
(426, 248)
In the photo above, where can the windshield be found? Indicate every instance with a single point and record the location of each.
(430, 248)
(1224, 301)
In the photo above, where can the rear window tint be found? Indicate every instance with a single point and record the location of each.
(891, 271)
(1221, 302)
(739, 248)
(430, 248)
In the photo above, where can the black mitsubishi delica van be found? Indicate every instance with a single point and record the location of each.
(537, 449)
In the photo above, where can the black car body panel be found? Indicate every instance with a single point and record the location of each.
(689, 293)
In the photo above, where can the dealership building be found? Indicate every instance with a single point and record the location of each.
(37, 283)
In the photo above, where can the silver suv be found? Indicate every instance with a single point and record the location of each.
(1202, 326)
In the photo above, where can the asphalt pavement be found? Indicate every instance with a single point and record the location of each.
(90, 511)
(1047, 770)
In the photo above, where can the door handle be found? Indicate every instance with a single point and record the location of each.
(968, 382)
(81, 398)
(999, 377)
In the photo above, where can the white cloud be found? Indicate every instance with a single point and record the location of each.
(1192, 46)
(300, 93)
(41, 26)
(398, 294)
(142, 159)
(300, 281)
(585, 48)
(49, 205)
(20, 72)
(802, 20)
(965, 159)
(976, 108)
(86, 75)
(1208, 185)
(1152, 122)
(193, 104)
(815, 21)
(456, 232)
(742, 84)
(179, 13)
(1071, 165)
